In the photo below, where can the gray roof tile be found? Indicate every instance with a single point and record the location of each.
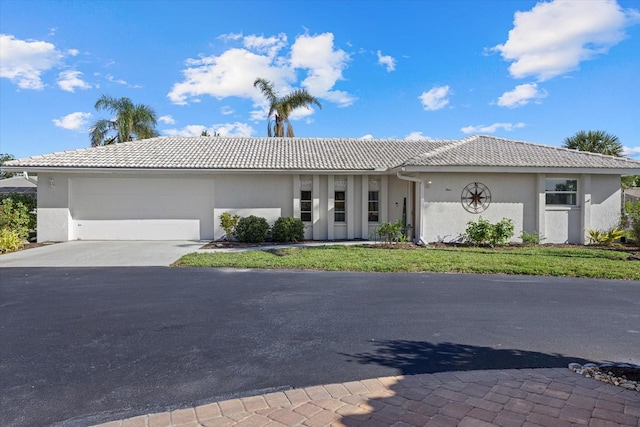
(337, 154)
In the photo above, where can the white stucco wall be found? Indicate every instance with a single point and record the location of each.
(445, 219)
(267, 196)
(606, 196)
(54, 218)
(187, 206)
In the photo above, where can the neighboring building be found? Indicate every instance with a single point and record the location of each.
(170, 188)
(19, 184)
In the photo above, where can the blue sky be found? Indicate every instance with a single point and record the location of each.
(525, 70)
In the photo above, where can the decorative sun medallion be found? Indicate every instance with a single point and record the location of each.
(476, 197)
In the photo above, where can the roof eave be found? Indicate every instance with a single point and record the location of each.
(77, 169)
(522, 169)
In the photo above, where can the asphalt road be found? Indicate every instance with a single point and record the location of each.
(80, 346)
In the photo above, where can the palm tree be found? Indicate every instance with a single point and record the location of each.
(595, 141)
(280, 108)
(130, 120)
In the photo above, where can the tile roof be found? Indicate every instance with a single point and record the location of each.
(240, 153)
(499, 152)
(336, 154)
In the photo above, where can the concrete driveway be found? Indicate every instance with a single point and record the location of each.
(102, 254)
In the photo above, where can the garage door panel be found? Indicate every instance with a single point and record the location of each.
(142, 209)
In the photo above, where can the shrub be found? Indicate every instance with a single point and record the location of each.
(288, 229)
(390, 232)
(252, 229)
(483, 233)
(17, 213)
(228, 223)
(597, 237)
(632, 217)
(531, 238)
(10, 240)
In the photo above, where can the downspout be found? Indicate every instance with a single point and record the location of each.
(26, 176)
(419, 203)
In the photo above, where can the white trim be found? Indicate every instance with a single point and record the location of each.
(315, 216)
(331, 205)
(296, 196)
(584, 191)
(350, 207)
(384, 199)
(364, 202)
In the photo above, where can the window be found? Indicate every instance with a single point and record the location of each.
(561, 191)
(340, 206)
(374, 206)
(305, 205)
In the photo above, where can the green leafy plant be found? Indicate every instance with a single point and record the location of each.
(631, 218)
(10, 240)
(252, 229)
(597, 237)
(228, 223)
(389, 232)
(288, 229)
(532, 238)
(17, 213)
(483, 233)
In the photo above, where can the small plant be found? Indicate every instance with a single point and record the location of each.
(252, 229)
(533, 238)
(483, 233)
(10, 241)
(390, 232)
(288, 229)
(228, 223)
(606, 238)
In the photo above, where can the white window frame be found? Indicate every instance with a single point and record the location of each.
(560, 192)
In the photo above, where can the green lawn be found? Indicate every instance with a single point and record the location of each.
(540, 260)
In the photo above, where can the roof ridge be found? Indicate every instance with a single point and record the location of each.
(451, 144)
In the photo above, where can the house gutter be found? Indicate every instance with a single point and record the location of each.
(420, 203)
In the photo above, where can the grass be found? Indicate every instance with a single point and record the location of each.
(535, 260)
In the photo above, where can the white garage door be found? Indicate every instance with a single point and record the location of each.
(122, 208)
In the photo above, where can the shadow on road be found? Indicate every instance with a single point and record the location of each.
(421, 357)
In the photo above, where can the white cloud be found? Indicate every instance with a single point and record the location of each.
(123, 82)
(436, 98)
(324, 65)
(492, 128)
(521, 95)
(387, 61)
(73, 52)
(226, 110)
(73, 121)
(230, 37)
(233, 72)
(415, 136)
(69, 80)
(554, 37)
(367, 136)
(630, 151)
(167, 120)
(222, 129)
(234, 129)
(230, 74)
(24, 61)
(269, 45)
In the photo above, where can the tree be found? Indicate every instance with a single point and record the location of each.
(4, 157)
(131, 120)
(595, 141)
(281, 107)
